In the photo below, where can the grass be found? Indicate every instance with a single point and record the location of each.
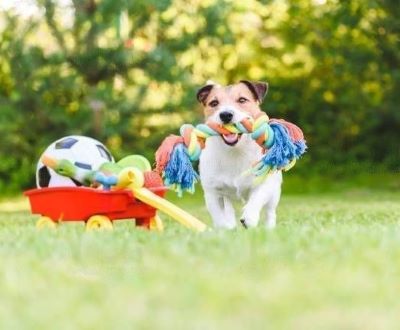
(332, 263)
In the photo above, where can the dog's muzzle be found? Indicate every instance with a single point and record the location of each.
(229, 115)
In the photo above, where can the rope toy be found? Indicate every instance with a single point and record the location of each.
(283, 143)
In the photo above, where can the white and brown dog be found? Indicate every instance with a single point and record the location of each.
(226, 157)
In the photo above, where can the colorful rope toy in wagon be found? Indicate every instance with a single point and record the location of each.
(282, 141)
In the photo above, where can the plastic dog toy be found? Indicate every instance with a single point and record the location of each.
(130, 192)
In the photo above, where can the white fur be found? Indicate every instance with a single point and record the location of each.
(221, 173)
(237, 114)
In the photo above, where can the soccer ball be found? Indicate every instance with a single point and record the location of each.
(84, 152)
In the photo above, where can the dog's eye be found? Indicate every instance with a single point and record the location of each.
(213, 103)
(242, 100)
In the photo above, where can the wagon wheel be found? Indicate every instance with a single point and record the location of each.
(45, 223)
(99, 222)
(156, 223)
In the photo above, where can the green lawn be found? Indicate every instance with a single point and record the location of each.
(333, 262)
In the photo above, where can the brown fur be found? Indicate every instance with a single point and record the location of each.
(231, 95)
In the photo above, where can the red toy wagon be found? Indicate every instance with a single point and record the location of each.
(98, 208)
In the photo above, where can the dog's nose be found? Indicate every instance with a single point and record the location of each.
(226, 117)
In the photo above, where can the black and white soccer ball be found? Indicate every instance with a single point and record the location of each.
(85, 152)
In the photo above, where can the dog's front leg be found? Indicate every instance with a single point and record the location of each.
(266, 194)
(220, 209)
(251, 211)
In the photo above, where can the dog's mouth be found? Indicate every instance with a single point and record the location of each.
(231, 139)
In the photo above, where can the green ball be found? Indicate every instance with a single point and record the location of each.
(137, 161)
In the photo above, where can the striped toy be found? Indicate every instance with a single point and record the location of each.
(283, 143)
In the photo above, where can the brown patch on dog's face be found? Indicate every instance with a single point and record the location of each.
(231, 104)
(245, 96)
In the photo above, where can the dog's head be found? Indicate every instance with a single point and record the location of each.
(231, 104)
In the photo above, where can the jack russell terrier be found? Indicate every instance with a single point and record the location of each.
(225, 158)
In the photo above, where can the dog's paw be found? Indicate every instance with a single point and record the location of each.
(250, 217)
(270, 222)
(249, 222)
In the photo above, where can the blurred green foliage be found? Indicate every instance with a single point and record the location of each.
(126, 73)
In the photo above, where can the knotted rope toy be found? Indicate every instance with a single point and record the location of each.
(283, 143)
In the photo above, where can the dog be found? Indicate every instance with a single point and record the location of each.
(225, 158)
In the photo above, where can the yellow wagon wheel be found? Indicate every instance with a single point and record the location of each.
(99, 222)
(156, 223)
(45, 223)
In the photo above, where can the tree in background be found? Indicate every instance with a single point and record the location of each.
(99, 68)
(126, 73)
(349, 96)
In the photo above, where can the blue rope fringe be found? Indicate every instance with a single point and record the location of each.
(284, 150)
(179, 172)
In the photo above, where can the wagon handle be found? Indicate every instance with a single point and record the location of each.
(132, 178)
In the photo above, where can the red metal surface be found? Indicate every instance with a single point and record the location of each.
(80, 203)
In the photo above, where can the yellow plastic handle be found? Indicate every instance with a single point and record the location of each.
(176, 213)
(133, 179)
(130, 176)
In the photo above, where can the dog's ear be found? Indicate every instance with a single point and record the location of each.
(204, 91)
(258, 88)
